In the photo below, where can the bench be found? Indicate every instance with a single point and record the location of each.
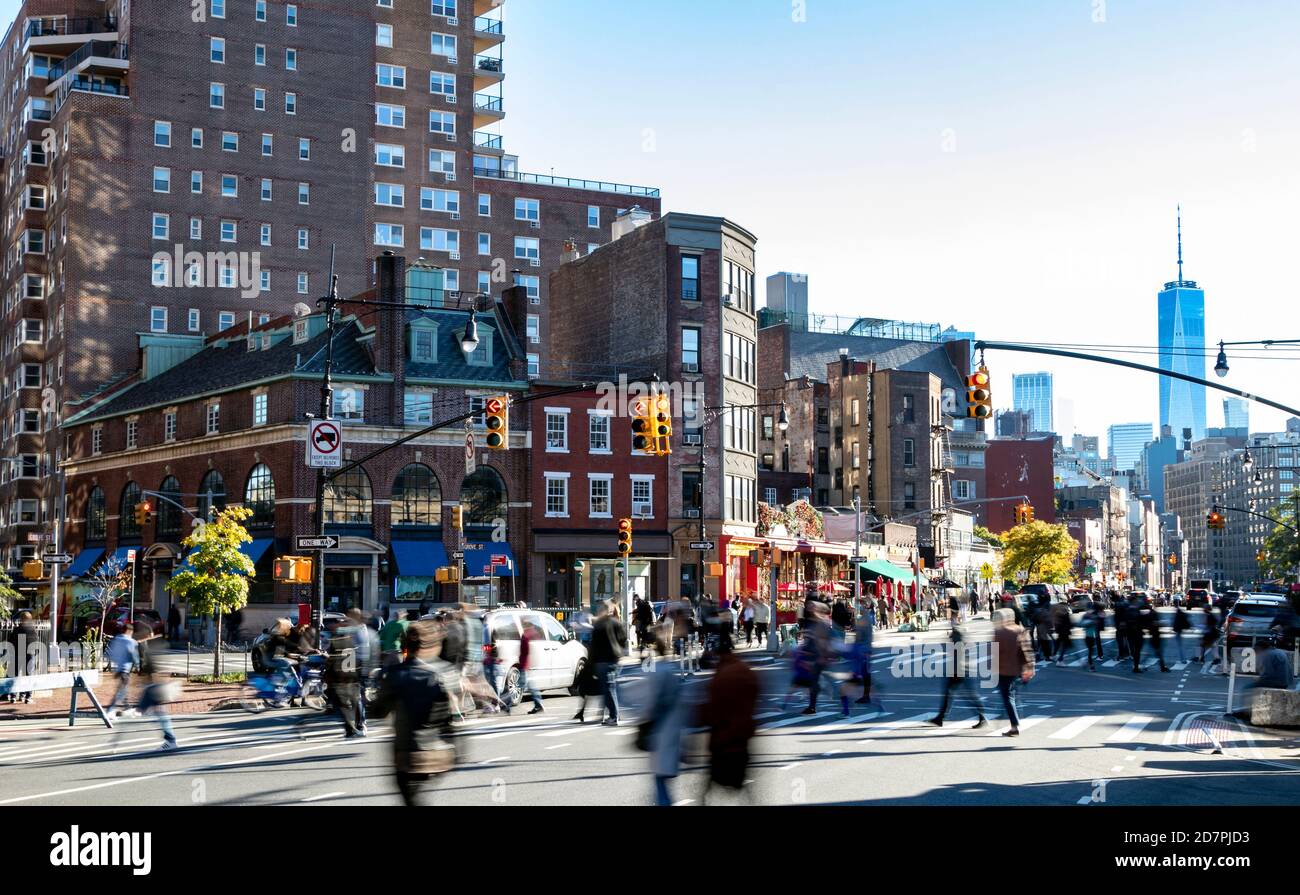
(76, 681)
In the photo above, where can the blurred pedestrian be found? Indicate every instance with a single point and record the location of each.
(747, 620)
(1122, 615)
(342, 681)
(1182, 624)
(661, 730)
(1094, 622)
(158, 693)
(123, 656)
(1137, 624)
(1153, 626)
(643, 617)
(173, 624)
(762, 618)
(962, 674)
(1061, 623)
(1015, 663)
(390, 639)
(608, 646)
(1209, 638)
(1273, 665)
(531, 659)
(728, 716)
(812, 655)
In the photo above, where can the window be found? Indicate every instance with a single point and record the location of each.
(485, 244)
(196, 228)
(909, 452)
(390, 76)
(161, 225)
(643, 497)
(557, 431)
(162, 267)
(217, 95)
(162, 133)
(34, 286)
(389, 234)
(769, 496)
(417, 497)
(533, 327)
(909, 409)
(196, 182)
(213, 418)
(193, 322)
(266, 280)
(304, 194)
(855, 462)
(445, 8)
(96, 515)
(304, 238)
(304, 149)
(387, 115)
(225, 320)
(767, 427)
(441, 83)
(157, 320)
(29, 421)
(217, 50)
(260, 11)
(162, 180)
(691, 349)
(303, 285)
(259, 496)
(439, 200)
(126, 525)
(228, 231)
(290, 59)
(437, 240)
(169, 426)
(350, 404)
(212, 493)
(265, 237)
(442, 123)
(230, 142)
(291, 15)
(383, 35)
(391, 194)
(259, 409)
(557, 494)
(266, 189)
(442, 162)
(853, 411)
(229, 186)
(291, 104)
(132, 433)
(390, 155)
(97, 440)
(442, 44)
(218, 9)
(598, 433)
(527, 247)
(484, 205)
(534, 365)
(31, 331)
(533, 285)
(259, 54)
(599, 486)
(417, 408)
(690, 277)
(963, 490)
(593, 216)
(909, 496)
(527, 210)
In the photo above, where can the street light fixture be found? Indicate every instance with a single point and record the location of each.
(783, 421)
(1247, 461)
(469, 341)
(1221, 364)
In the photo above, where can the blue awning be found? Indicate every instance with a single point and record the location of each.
(478, 561)
(256, 548)
(85, 559)
(419, 559)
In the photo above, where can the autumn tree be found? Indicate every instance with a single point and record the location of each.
(1281, 551)
(988, 537)
(1044, 552)
(214, 580)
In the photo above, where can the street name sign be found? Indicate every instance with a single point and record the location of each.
(324, 445)
(58, 559)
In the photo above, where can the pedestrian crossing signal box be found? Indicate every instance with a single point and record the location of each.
(293, 570)
(33, 570)
(447, 575)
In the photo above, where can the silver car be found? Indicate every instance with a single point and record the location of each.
(557, 659)
(1252, 617)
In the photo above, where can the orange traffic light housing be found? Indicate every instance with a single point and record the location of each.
(496, 418)
(293, 570)
(643, 440)
(979, 396)
(143, 513)
(624, 537)
(662, 425)
(458, 517)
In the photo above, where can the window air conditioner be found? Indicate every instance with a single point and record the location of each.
(453, 21)
(454, 256)
(450, 177)
(692, 439)
(451, 138)
(451, 98)
(692, 513)
(691, 368)
(535, 225)
(535, 262)
(642, 510)
(455, 216)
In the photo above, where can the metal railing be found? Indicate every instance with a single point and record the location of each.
(484, 103)
(104, 49)
(486, 141)
(569, 182)
(55, 27)
(487, 63)
(86, 85)
(484, 25)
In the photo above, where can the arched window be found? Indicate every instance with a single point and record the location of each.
(212, 484)
(347, 499)
(259, 496)
(483, 496)
(126, 527)
(168, 513)
(96, 516)
(417, 497)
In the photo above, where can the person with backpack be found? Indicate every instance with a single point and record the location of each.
(728, 716)
(415, 693)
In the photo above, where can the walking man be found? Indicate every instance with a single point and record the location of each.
(1015, 663)
(961, 676)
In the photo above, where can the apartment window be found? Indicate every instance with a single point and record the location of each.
(302, 284)
(225, 320)
(768, 431)
(196, 138)
(30, 376)
(390, 155)
(266, 280)
(259, 101)
(291, 15)
(291, 104)
(226, 276)
(387, 115)
(439, 200)
(437, 240)
(259, 54)
(265, 234)
(196, 182)
(690, 277)
(690, 349)
(304, 194)
(534, 366)
(598, 433)
(909, 496)
(290, 59)
(259, 409)
(557, 494)
(557, 431)
(442, 162)
(593, 216)
(855, 461)
(162, 133)
(533, 329)
(853, 412)
(97, 440)
(442, 84)
(229, 141)
(158, 320)
(527, 210)
(162, 180)
(193, 321)
(35, 286)
(963, 489)
(229, 186)
(643, 501)
(389, 234)
(391, 194)
(266, 189)
(383, 35)
(259, 12)
(213, 418)
(304, 238)
(217, 95)
(29, 466)
(442, 44)
(533, 285)
(909, 409)
(484, 205)
(304, 149)
(417, 408)
(217, 50)
(227, 231)
(218, 9)
(442, 123)
(390, 76)
(445, 8)
(169, 425)
(161, 225)
(31, 331)
(599, 486)
(909, 452)
(485, 244)
(484, 281)
(161, 275)
(132, 434)
(527, 247)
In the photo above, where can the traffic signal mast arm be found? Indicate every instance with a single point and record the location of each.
(1218, 507)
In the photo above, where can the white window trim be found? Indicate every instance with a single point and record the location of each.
(600, 477)
(547, 477)
(547, 411)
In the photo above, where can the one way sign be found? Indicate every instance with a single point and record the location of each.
(310, 542)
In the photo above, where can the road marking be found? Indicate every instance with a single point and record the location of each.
(1110, 663)
(573, 728)
(788, 766)
(850, 721)
(498, 758)
(863, 742)
(682, 802)
(1180, 666)
(1025, 724)
(1074, 728)
(797, 719)
(558, 746)
(621, 733)
(1118, 769)
(328, 795)
(1130, 731)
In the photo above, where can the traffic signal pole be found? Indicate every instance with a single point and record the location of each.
(326, 411)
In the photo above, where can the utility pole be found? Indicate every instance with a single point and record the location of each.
(326, 411)
(857, 551)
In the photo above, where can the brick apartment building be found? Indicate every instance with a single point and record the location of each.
(674, 298)
(1016, 468)
(138, 133)
(225, 423)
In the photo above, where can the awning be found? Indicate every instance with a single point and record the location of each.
(256, 548)
(478, 561)
(887, 569)
(85, 559)
(419, 559)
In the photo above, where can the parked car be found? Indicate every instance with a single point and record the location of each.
(1252, 617)
(118, 618)
(1034, 592)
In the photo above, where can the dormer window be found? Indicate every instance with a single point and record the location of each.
(423, 342)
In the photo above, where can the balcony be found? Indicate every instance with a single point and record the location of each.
(86, 84)
(487, 110)
(602, 186)
(487, 71)
(490, 143)
(482, 7)
(487, 34)
(49, 34)
(94, 56)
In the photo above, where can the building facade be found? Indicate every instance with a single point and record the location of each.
(1124, 443)
(1180, 320)
(1032, 394)
(1018, 470)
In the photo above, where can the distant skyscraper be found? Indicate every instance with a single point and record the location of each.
(1032, 392)
(788, 292)
(1181, 313)
(1125, 443)
(1236, 413)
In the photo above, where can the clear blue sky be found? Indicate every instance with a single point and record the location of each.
(1051, 220)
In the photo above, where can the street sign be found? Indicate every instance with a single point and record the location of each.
(470, 465)
(324, 445)
(37, 537)
(458, 555)
(500, 559)
(130, 556)
(986, 572)
(58, 559)
(702, 545)
(859, 559)
(311, 542)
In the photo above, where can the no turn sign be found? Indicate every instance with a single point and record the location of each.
(324, 445)
(470, 465)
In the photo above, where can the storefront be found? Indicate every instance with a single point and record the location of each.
(577, 569)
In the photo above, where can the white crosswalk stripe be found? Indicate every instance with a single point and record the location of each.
(786, 722)
(1075, 727)
(1025, 724)
(1130, 730)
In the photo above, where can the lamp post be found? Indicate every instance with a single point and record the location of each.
(1221, 362)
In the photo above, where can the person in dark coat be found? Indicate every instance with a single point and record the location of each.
(728, 716)
(173, 623)
(344, 682)
(414, 693)
(643, 618)
(608, 646)
(1182, 624)
(1152, 620)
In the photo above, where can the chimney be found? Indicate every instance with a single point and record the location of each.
(628, 220)
(846, 362)
(570, 252)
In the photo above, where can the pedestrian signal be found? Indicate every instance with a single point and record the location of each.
(293, 570)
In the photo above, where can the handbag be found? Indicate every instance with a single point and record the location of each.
(438, 759)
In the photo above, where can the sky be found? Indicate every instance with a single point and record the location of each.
(1006, 167)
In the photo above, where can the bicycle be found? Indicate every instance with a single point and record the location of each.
(279, 687)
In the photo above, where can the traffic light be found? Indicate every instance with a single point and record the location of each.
(979, 398)
(1173, 559)
(33, 570)
(497, 420)
(1024, 514)
(293, 570)
(663, 425)
(624, 537)
(1216, 520)
(643, 441)
(447, 575)
(457, 517)
(143, 513)
(1145, 559)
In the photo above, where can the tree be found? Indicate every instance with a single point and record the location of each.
(8, 596)
(1281, 551)
(107, 585)
(215, 578)
(988, 537)
(1045, 552)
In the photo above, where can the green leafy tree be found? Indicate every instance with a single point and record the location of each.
(1281, 551)
(215, 580)
(988, 537)
(1045, 552)
(8, 596)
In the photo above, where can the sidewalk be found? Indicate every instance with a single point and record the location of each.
(194, 698)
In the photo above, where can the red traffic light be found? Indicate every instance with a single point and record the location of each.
(493, 405)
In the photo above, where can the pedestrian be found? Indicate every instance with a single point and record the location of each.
(762, 619)
(661, 730)
(1121, 626)
(173, 624)
(1209, 638)
(1062, 623)
(27, 650)
(1182, 624)
(643, 617)
(608, 645)
(813, 654)
(530, 662)
(842, 616)
(1152, 620)
(1094, 622)
(1043, 630)
(747, 620)
(415, 692)
(342, 681)
(1015, 663)
(390, 638)
(860, 658)
(123, 655)
(728, 716)
(962, 673)
(157, 694)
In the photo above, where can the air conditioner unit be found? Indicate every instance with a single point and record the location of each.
(534, 262)
(454, 256)
(692, 439)
(453, 22)
(451, 98)
(451, 177)
(451, 138)
(691, 368)
(535, 225)
(455, 216)
(451, 59)
(726, 300)
(642, 510)
(692, 513)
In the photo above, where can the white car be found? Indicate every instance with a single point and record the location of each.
(557, 658)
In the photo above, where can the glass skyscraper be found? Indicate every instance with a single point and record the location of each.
(1032, 393)
(1236, 413)
(1125, 444)
(1181, 313)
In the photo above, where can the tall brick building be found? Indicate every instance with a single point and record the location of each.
(257, 134)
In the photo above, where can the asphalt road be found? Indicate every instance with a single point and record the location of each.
(1088, 738)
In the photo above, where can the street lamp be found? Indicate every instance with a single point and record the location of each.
(783, 421)
(1221, 365)
(1247, 462)
(1221, 362)
(469, 341)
